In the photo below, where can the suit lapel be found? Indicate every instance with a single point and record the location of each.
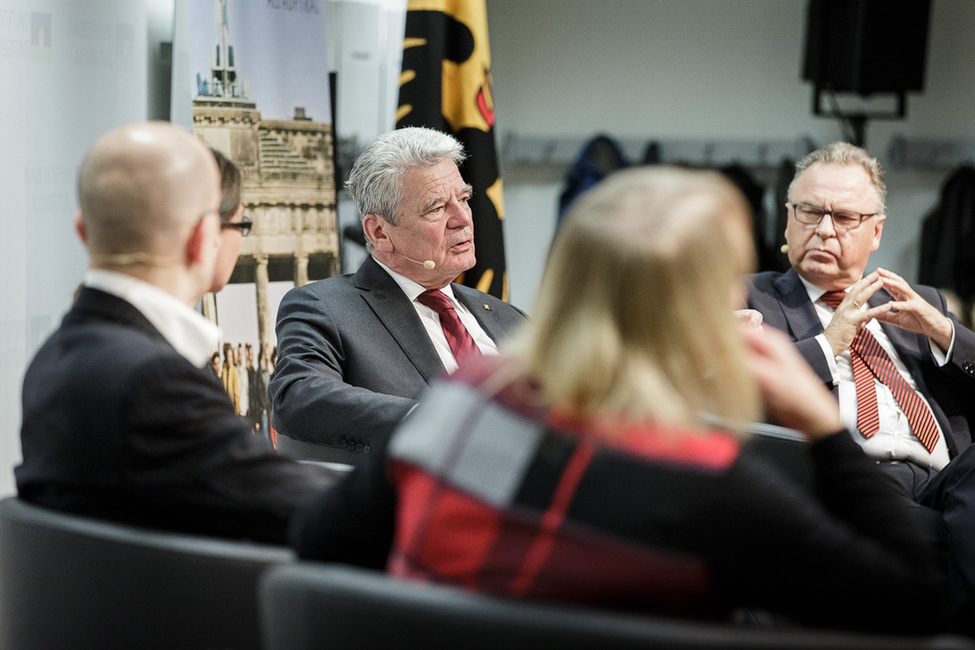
(388, 302)
(486, 316)
(798, 310)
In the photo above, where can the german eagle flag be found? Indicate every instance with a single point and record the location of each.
(446, 85)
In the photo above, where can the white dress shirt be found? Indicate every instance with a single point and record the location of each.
(431, 320)
(894, 440)
(187, 330)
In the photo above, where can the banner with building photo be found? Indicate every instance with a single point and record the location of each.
(260, 94)
(446, 85)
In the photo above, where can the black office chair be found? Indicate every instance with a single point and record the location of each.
(308, 605)
(74, 582)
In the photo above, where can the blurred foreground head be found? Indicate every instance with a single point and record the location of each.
(634, 316)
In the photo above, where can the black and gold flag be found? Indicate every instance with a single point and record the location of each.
(446, 85)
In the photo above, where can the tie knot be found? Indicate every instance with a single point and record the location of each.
(833, 298)
(435, 300)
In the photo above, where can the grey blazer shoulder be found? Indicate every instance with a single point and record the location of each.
(353, 356)
(784, 303)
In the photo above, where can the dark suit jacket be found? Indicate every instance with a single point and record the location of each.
(784, 303)
(353, 356)
(117, 424)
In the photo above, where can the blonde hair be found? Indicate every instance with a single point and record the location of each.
(634, 318)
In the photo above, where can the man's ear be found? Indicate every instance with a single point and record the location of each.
(79, 227)
(200, 241)
(374, 228)
(878, 231)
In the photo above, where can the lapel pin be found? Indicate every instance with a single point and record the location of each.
(486, 307)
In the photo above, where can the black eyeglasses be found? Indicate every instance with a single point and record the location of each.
(842, 219)
(244, 226)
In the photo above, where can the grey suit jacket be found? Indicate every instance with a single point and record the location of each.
(353, 356)
(784, 303)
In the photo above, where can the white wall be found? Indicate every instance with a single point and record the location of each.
(57, 98)
(708, 69)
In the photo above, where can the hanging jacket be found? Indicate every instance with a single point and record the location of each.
(600, 157)
(948, 237)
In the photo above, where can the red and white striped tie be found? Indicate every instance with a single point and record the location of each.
(869, 361)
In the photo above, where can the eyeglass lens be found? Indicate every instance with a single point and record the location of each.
(841, 218)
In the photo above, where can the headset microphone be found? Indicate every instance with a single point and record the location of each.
(784, 248)
(429, 265)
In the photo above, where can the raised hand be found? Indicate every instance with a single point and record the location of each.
(853, 313)
(911, 312)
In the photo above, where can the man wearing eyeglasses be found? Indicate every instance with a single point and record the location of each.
(901, 366)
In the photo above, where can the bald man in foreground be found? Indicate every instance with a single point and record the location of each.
(121, 418)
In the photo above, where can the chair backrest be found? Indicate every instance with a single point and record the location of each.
(73, 582)
(308, 605)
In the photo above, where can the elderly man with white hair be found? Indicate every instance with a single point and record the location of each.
(356, 351)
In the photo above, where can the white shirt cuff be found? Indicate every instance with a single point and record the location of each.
(943, 358)
(830, 359)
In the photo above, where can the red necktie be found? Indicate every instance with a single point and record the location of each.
(458, 338)
(869, 361)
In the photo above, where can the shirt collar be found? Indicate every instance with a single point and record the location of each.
(814, 292)
(410, 288)
(192, 335)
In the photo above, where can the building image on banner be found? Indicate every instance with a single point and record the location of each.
(244, 73)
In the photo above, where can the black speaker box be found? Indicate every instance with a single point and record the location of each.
(867, 46)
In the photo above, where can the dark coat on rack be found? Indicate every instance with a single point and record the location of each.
(600, 157)
(948, 237)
